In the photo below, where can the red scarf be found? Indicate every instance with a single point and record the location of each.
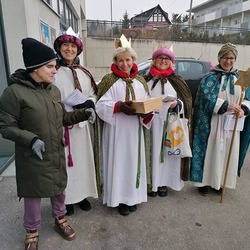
(155, 72)
(118, 72)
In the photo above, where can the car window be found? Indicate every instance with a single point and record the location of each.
(143, 68)
(192, 68)
(182, 67)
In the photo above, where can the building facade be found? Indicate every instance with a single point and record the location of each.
(43, 20)
(223, 17)
(153, 18)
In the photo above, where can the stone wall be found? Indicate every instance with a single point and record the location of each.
(98, 53)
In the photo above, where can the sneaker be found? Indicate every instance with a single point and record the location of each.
(70, 209)
(31, 240)
(132, 208)
(64, 229)
(85, 205)
(123, 209)
(162, 191)
(203, 190)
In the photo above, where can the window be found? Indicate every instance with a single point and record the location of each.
(192, 68)
(237, 21)
(68, 18)
(54, 6)
(157, 17)
(61, 11)
(67, 15)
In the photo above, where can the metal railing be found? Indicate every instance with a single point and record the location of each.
(175, 32)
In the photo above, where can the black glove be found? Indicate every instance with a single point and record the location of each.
(125, 108)
(86, 104)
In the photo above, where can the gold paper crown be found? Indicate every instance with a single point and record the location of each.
(122, 42)
(161, 46)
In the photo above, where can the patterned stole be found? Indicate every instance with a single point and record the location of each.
(76, 80)
(129, 89)
(162, 79)
(229, 79)
(61, 63)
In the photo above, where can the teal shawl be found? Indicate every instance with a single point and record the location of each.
(244, 136)
(205, 101)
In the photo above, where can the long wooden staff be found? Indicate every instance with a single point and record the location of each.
(244, 82)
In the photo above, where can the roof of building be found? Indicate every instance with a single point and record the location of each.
(144, 16)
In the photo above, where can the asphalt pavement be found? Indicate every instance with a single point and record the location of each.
(183, 220)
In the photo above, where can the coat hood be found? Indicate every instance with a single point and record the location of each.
(22, 77)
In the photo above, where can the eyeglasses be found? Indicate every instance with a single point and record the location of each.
(228, 58)
(160, 58)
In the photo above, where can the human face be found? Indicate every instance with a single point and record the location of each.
(45, 73)
(68, 52)
(162, 62)
(227, 61)
(124, 62)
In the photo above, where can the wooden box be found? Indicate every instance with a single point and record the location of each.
(147, 105)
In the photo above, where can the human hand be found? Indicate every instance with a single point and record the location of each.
(86, 104)
(240, 113)
(234, 108)
(125, 107)
(38, 147)
(173, 104)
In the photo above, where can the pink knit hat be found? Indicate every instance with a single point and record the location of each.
(164, 51)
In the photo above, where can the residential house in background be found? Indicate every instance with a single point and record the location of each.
(151, 19)
(222, 17)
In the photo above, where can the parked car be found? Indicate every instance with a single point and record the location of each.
(190, 69)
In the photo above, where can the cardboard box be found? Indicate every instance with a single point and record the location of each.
(147, 105)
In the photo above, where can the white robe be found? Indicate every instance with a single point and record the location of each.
(119, 147)
(81, 177)
(218, 146)
(168, 172)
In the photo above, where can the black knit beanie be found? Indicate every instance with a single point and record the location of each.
(36, 54)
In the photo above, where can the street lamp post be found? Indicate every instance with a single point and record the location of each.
(111, 13)
(190, 15)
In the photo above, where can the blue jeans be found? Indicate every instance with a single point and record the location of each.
(32, 210)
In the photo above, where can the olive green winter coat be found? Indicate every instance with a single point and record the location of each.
(29, 110)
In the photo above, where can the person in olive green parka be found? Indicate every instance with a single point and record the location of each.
(32, 115)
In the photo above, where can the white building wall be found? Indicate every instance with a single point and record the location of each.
(15, 26)
(22, 19)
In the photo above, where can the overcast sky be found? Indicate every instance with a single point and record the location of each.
(101, 9)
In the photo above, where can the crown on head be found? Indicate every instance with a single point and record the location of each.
(122, 42)
(161, 46)
(71, 32)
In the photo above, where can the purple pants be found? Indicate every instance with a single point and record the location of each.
(32, 210)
